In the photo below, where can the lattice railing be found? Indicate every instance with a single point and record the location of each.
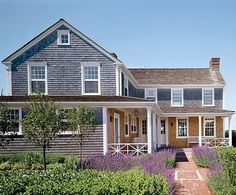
(213, 142)
(128, 149)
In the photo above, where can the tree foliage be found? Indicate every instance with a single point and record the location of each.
(42, 122)
(82, 122)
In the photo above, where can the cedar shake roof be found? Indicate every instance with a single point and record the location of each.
(173, 110)
(176, 76)
(94, 98)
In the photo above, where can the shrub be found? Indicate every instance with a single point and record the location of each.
(20, 166)
(133, 181)
(52, 158)
(71, 162)
(204, 156)
(56, 166)
(4, 158)
(5, 166)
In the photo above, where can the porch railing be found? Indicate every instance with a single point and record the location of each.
(213, 142)
(128, 149)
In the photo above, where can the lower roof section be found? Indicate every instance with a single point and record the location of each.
(175, 111)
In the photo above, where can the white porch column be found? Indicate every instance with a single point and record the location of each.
(105, 139)
(230, 131)
(167, 131)
(154, 137)
(149, 129)
(159, 131)
(200, 130)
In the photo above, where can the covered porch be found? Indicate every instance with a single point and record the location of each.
(131, 130)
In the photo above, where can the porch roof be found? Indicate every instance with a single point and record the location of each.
(196, 111)
(91, 98)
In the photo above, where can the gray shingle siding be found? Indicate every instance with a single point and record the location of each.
(64, 69)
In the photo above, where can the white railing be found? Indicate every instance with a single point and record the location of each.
(213, 142)
(128, 149)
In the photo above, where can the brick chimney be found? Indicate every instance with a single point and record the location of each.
(215, 64)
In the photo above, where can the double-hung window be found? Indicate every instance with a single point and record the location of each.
(126, 125)
(37, 78)
(14, 120)
(133, 124)
(91, 79)
(177, 97)
(209, 126)
(208, 97)
(182, 127)
(151, 94)
(63, 37)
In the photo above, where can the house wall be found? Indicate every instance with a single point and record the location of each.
(193, 130)
(110, 127)
(64, 68)
(192, 97)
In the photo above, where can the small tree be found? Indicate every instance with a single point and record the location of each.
(82, 123)
(42, 122)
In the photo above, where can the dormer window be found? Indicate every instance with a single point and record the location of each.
(177, 97)
(126, 86)
(63, 37)
(208, 97)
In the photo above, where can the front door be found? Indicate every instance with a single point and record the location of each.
(116, 128)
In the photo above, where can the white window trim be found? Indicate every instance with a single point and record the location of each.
(29, 65)
(177, 128)
(204, 130)
(127, 123)
(83, 64)
(20, 121)
(213, 96)
(126, 85)
(146, 92)
(63, 32)
(172, 89)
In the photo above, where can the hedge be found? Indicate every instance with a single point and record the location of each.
(72, 182)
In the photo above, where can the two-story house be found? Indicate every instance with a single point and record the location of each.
(138, 110)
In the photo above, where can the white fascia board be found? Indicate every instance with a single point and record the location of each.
(52, 29)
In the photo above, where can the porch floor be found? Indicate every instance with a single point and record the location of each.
(190, 179)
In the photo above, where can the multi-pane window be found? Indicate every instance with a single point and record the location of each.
(177, 97)
(37, 82)
(13, 118)
(208, 97)
(209, 127)
(91, 79)
(182, 128)
(126, 86)
(144, 127)
(133, 124)
(151, 93)
(63, 37)
(126, 124)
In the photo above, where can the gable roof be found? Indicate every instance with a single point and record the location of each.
(177, 76)
(50, 30)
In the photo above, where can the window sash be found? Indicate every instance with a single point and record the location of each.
(208, 97)
(177, 97)
(209, 127)
(182, 128)
(126, 124)
(150, 93)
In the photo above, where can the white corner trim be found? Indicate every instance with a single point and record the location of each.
(105, 130)
(117, 80)
(9, 78)
(83, 64)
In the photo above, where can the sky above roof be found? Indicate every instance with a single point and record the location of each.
(150, 33)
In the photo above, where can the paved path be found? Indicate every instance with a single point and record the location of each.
(190, 180)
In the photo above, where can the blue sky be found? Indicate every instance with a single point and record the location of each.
(143, 33)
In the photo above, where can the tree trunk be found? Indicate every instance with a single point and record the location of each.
(44, 158)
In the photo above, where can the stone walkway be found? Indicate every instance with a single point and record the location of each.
(190, 179)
